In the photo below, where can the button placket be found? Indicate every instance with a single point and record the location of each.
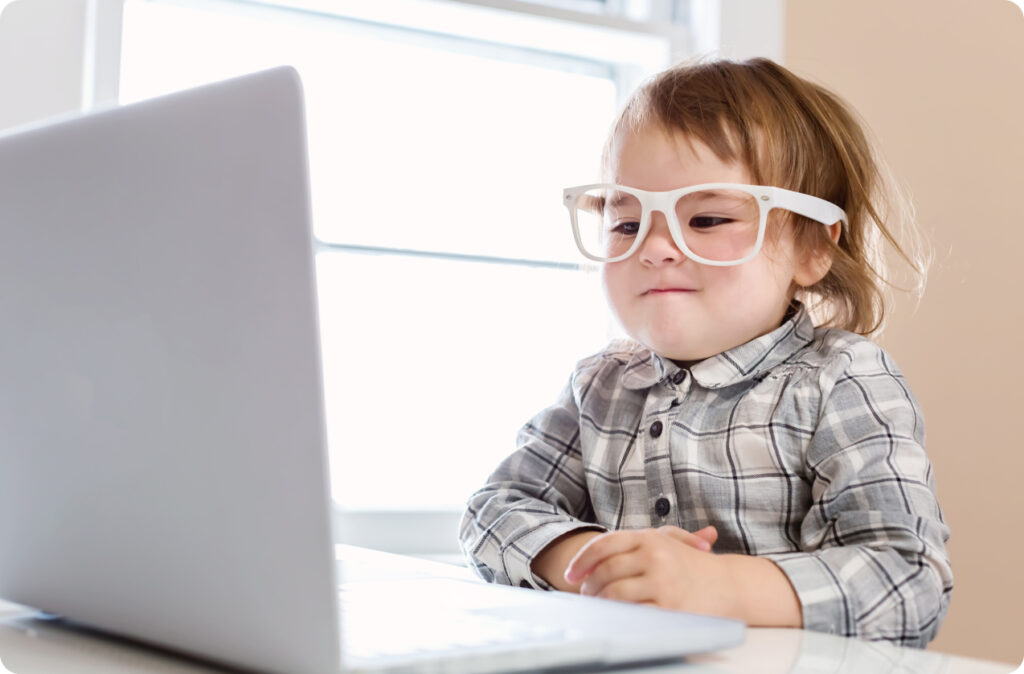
(656, 426)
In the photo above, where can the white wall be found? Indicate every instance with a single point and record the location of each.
(739, 29)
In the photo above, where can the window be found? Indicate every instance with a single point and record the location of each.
(453, 302)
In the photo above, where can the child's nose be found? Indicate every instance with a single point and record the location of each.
(658, 248)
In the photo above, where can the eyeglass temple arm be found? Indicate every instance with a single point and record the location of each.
(815, 208)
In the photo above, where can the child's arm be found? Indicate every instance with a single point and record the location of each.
(535, 496)
(873, 562)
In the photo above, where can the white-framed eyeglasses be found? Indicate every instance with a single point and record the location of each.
(719, 224)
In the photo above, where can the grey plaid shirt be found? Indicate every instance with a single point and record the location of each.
(804, 446)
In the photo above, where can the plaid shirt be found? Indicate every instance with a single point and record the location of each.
(804, 446)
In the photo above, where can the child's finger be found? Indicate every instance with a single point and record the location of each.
(708, 533)
(694, 540)
(633, 589)
(610, 570)
(597, 550)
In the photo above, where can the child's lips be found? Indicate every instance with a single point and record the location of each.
(667, 291)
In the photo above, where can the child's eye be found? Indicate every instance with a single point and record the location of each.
(626, 228)
(707, 221)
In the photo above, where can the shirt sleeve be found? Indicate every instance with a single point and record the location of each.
(536, 494)
(873, 562)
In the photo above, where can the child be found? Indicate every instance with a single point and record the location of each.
(732, 458)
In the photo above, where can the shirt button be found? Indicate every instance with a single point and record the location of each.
(656, 429)
(662, 506)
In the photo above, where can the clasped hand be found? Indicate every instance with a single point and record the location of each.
(667, 567)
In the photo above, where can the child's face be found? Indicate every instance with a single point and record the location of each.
(678, 308)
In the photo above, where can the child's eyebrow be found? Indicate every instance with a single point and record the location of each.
(622, 199)
(713, 194)
(719, 196)
(591, 202)
(597, 204)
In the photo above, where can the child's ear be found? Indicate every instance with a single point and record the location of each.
(817, 261)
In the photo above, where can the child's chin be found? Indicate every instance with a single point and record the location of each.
(686, 351)
(683, 353)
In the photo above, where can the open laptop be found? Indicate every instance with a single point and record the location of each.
(163, 471)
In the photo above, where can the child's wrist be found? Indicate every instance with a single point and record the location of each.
(759, 593)
(551, 562)
(734, 602)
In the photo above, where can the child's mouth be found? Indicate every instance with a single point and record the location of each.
(662, 291)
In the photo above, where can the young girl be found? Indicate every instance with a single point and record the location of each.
(732, 458)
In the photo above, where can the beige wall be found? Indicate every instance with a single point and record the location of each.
(941, 83)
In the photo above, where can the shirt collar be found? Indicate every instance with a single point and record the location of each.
(645, 368)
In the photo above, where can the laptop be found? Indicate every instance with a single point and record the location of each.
(163, 465)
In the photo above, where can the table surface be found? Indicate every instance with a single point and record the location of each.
(30, 644)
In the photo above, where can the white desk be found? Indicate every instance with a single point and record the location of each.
(32, 646)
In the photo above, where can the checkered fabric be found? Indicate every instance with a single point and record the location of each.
(804, 446)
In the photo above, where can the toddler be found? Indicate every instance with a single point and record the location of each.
(748, 452)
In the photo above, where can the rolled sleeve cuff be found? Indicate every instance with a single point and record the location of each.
(519, 554)
(826, 608)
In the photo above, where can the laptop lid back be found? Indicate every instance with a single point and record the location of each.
(159, 337)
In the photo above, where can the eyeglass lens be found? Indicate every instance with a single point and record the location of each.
(720, 224)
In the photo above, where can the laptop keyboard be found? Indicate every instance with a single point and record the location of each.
(396, 623)
(409, 634)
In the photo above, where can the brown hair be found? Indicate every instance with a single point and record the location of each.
(794, 134)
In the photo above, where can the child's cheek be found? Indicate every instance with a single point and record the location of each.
(614, 282)
(609, 281)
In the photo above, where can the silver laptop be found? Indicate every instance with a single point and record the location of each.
(163, 471)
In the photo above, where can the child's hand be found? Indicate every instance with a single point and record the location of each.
(668, 567)
(552, 562)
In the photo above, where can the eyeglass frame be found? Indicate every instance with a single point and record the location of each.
(767, 198)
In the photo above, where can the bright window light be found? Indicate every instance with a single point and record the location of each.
(445, 157)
